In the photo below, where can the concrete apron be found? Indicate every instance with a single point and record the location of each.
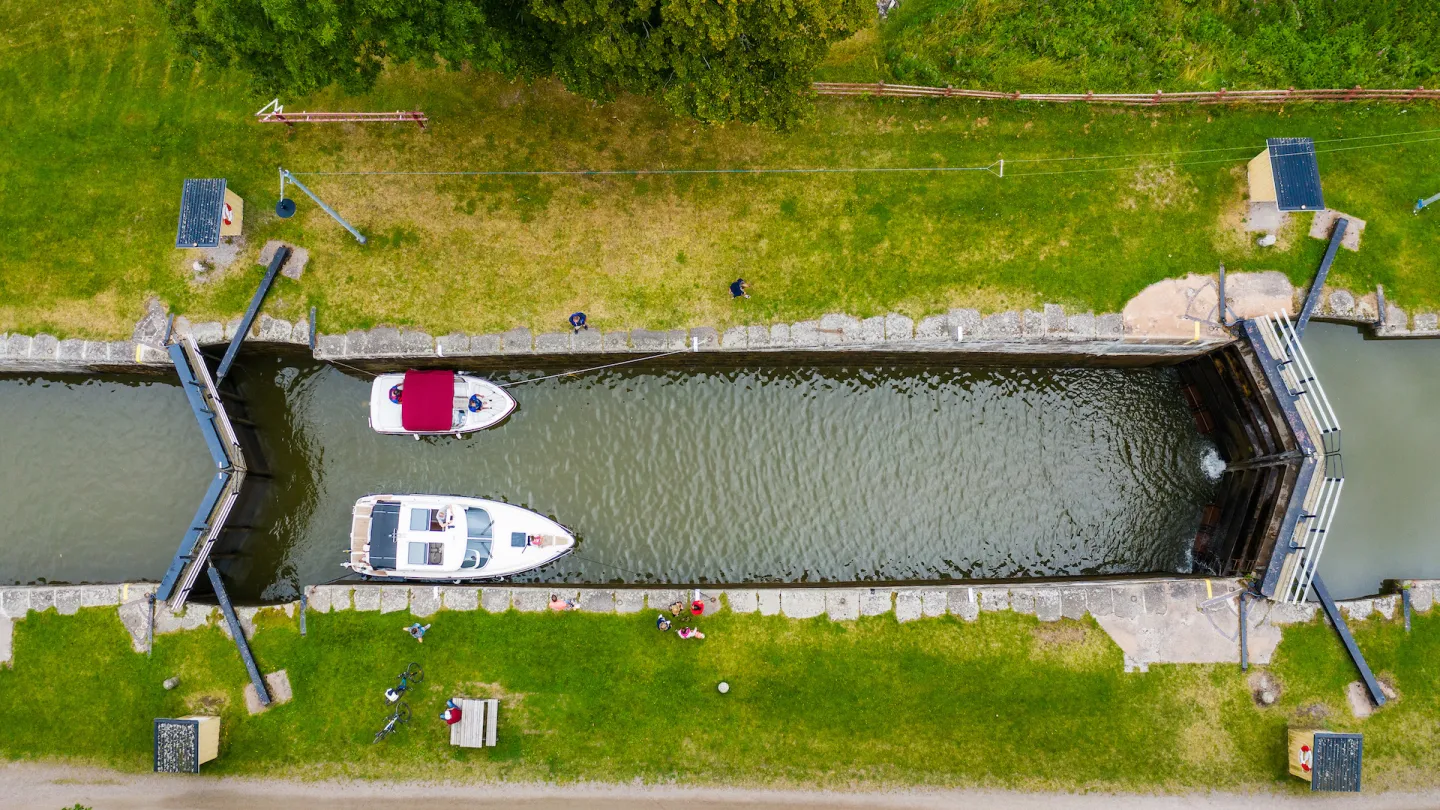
(1153, 621)
(1171, 319)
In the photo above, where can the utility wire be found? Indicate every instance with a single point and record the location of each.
(904, 169)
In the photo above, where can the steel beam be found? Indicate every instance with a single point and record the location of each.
(238, 633)
(276, 262)
(1333, 611)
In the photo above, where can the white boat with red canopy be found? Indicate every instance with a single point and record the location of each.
(450, 538)
(433, 403)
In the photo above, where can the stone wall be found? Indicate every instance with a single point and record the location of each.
(1155, 620)
(1344, 306)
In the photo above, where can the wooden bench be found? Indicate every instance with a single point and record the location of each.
(476, 728)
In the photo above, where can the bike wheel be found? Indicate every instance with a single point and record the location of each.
(402, 713)
(415, 673)
(380, 735)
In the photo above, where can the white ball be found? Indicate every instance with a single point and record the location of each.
(724, 687)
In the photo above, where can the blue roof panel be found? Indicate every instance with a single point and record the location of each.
(1297, 175)
(202, 206)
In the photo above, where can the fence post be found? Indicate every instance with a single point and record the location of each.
(948, 90)
(1350, 95)
(879, 88)
(1156, 98)
(1288, 93)
(1413, 93)
(1089, 95)
(1015, 96)
(1220, 96)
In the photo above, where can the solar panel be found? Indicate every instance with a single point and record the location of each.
(1297, 174)
(202, 207)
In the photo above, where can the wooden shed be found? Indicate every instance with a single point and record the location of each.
(1287, 174)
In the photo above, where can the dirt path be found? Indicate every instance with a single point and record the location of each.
(25, 785)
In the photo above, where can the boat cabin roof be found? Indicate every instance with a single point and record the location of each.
(426, 401)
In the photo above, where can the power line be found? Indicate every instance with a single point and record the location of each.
(991, 168)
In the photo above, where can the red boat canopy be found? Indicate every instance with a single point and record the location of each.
(426, 401)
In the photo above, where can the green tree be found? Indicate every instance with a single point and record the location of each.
(715, 60)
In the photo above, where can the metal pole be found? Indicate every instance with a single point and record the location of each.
(1244, 636)
(1405, 601)
(285, 176)
(304, 603)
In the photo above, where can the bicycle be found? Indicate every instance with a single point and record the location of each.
(413, 674)
(399, 717)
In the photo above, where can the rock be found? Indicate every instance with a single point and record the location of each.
(170, 683)
(964, 603)
(935, 327)
(769, 602)
(872, 330)
(587, 341)
(876, 601)
(277, 684)
(597, 601)
(742, 601)
(629, 601)
(530, 600)
(1267, 697)
(736, 337)
(933, 602)
(757, 337)
(842, 606)
(899, 327)
(1342, 302)
(802, 603)
(367, 597)
(805, 333)
(1359, 699)
(424, 600)
(394, 598)
(907, 606)
(779, 335)
(492, 600)
(67, 601)
(552, 343)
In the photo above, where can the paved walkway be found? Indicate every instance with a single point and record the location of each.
(49, 786)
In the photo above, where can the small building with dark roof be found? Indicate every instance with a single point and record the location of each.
(1327, 760)
(1287, 174)
(208, 212)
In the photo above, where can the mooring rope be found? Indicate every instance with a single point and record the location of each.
(594, 368)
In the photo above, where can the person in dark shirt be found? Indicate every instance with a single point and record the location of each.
(739, 288)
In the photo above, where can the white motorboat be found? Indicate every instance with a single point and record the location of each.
(450, 538)
(434, 403)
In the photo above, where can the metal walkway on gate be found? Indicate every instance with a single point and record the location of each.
(1291, 571)
(230, 468)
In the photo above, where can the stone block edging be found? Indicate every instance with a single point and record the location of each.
(1047, 601)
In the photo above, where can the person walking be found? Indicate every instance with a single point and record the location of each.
(577, 322)
(739, 288)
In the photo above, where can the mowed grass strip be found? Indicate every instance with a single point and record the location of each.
(103, 124)
(1004, 701)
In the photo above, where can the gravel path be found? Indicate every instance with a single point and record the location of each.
(28, 785)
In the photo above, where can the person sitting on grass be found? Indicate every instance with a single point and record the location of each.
(417, 631)
(690, 632)
(739, 288)
(661, 623)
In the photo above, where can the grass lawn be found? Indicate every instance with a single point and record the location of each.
(1004, 701)
(1129, 46)
(102, 125)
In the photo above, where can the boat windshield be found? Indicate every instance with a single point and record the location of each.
(478, 524)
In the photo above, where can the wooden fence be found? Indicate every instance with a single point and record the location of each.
(1356, 93)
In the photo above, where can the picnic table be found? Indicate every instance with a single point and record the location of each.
(478, 719)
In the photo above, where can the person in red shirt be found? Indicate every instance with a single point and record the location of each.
(451, 715)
